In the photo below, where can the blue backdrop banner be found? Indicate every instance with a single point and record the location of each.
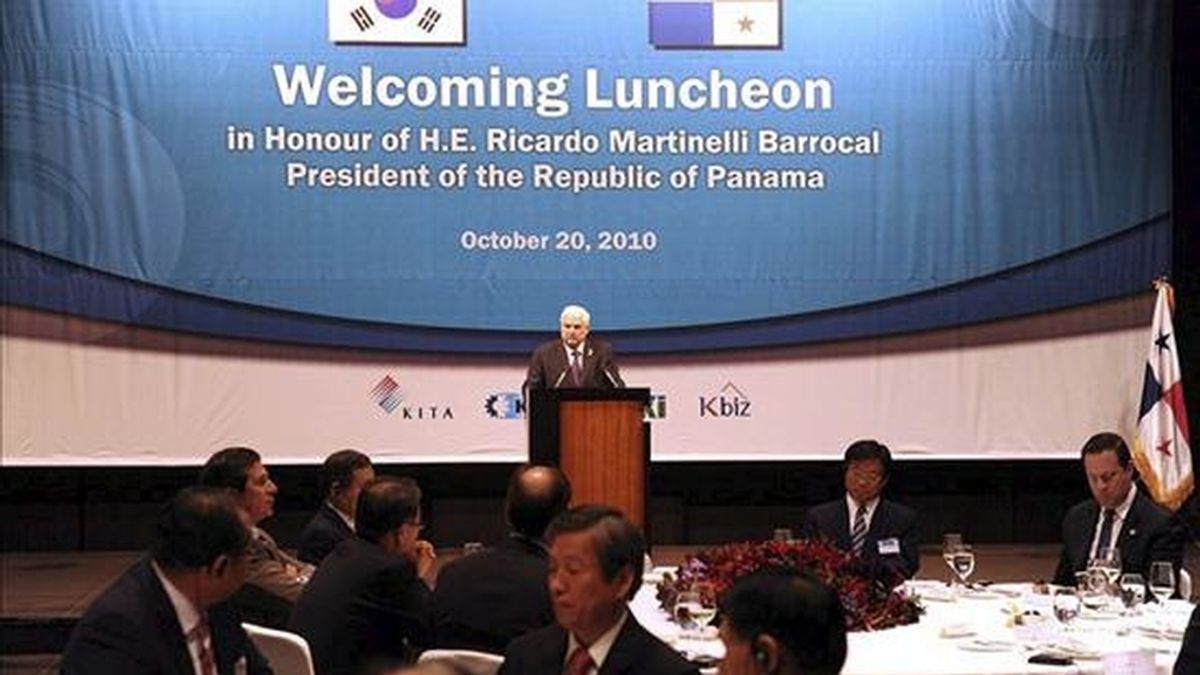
(421, 173)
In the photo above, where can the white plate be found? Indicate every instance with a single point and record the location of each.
(981, 594)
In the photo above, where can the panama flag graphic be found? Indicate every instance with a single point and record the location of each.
(398, 22)
(719, 24)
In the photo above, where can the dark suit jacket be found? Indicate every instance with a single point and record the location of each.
(549, 367)
(1188, 662)
(891, 520)
(483, 601)
(322, 534)
(544, 651)
(131, 629)
(1148, 534)
(363, 604)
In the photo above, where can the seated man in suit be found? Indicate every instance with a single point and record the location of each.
(575, 360)
(596, 557)
(883, 532)
(483, 601)
(781, 624)
(275, 578)
(165, 615)
(1118, 515)
(368, 603)
(342, 477)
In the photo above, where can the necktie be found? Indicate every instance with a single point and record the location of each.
(576, 368)
(859, 534)
(1106, 529)
(580, 662)
(200, 635)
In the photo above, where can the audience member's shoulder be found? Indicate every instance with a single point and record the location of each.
(902, 511)
(536, 639)
(659, 658)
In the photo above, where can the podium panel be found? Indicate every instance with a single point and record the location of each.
(600, 439)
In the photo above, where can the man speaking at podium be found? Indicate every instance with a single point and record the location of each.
(575, 361)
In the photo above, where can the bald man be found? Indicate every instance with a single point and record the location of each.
(483, 601)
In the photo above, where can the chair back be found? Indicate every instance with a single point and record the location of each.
(465, 660)
(287, 652)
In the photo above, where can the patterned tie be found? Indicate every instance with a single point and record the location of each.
(576, 368)
(201, 636)
(859, 534)
(1106, 528)
(580, 662)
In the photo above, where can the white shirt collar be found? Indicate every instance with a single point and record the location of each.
(853, 509)
(599, 649)
(345, 517)
(186, 612)
(582, 348)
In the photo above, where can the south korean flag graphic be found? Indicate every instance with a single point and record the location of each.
(398, 22)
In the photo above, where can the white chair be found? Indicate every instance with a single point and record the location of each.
(287, 652)
(465, 660)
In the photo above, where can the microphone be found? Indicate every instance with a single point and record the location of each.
(616, 381)
(560, 379)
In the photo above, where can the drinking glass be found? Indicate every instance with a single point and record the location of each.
(1066, 606)
(951, 542)
(694, 609)
(783, 534)
(1162, 580)
(1107, 561)
(963, 563)
(1133, 591)
(472, 547)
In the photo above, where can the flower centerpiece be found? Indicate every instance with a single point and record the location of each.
(871, 601)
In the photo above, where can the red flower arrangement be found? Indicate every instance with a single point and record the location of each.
(871, 602)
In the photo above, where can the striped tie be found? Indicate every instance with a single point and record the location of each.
(580, 662)
(859, 534)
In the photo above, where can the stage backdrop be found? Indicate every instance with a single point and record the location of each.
(711, 178)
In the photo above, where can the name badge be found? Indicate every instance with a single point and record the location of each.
(889, 546)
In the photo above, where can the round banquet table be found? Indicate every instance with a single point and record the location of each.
(973, 633)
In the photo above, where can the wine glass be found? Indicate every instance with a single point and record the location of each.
(963, 563)
(693, 611)
(1066, 606)
(1133, 591)
(1162, 580)
(951, 542)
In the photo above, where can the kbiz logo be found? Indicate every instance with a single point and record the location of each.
(729, 402)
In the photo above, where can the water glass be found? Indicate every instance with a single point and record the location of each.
(783, 534)
(1066, 606)
(963, 563)
(1133, 591)
(951, 542)
(1162, 580)
(472, 547)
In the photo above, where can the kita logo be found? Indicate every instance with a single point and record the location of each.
(716, 24)
(387, 394)
(506, 405)
(730, 402)
(398, 22)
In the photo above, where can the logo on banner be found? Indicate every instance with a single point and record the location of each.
(387, 394)
(716, 24)
(507, 405)
(398, 22)
(656, 408)
(729, 402)
(390, 398)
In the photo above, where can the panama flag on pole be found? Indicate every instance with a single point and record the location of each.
(1162, 449)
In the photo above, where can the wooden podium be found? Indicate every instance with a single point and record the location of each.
(601, 441)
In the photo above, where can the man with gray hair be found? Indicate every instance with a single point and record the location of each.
(576, 360)
(596, 558)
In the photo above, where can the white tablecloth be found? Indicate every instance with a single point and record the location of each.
(955, 633)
